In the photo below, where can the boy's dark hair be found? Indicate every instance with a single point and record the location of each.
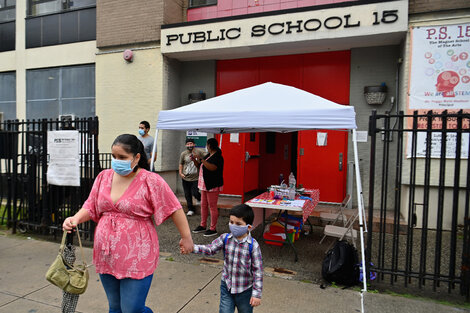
(146, 124)
(243, 211)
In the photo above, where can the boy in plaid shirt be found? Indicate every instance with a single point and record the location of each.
(242, 277)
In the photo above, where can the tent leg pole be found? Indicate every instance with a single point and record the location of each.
(154, 149)
(360, 203)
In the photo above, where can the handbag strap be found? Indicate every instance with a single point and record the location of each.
(62, 245)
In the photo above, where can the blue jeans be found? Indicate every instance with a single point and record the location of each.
(126, 295)
(228, 301)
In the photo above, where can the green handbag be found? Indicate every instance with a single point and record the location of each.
(70, 278)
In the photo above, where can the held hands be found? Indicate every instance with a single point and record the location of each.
(255, 301)
(186, 245)
(70, 223)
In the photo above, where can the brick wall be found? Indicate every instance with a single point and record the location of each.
(121, 22)
(423, 6)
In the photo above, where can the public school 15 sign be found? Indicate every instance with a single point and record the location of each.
(356, 20)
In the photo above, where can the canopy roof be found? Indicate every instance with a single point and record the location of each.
(265, 107)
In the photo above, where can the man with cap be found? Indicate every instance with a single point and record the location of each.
(189, 173)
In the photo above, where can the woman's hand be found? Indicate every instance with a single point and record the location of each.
(70, 223)
(186, 245)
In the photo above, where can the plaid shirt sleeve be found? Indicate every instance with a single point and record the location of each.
(211, 248)
(257, 267)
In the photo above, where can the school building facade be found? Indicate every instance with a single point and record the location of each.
(124, 62)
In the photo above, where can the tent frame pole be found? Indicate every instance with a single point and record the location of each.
(360, 203)
(154, 149)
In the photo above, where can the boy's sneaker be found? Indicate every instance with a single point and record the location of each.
(190, 213)
(199, 229)
(210, 233)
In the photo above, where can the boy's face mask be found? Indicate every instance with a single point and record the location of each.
(141, 132)
(238, 230)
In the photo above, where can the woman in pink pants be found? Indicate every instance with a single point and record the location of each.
(210, 183)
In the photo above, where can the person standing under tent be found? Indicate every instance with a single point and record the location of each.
(123, 202)
(147, 140)
(211, 181)
(189, 173)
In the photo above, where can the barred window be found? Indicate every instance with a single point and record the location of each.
(8, 95)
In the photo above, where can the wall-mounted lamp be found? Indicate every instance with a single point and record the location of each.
(375, 94)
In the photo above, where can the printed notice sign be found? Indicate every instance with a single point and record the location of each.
(64, 164)
(440, 67)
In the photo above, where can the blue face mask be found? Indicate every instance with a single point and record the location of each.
(237, 230)
(141, 132)
(121, 167)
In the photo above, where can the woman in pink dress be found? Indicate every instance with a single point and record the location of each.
(122, 202)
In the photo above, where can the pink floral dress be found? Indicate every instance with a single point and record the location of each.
(126, 242)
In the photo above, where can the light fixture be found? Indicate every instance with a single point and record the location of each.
(375, 94)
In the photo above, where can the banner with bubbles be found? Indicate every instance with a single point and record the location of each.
(440, 67)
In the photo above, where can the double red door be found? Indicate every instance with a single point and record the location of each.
(256, 160)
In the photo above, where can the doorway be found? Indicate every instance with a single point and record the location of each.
(257, 160)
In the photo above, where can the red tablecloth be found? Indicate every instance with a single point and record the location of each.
(308, 207)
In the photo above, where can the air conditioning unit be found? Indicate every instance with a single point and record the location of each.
(67, 121)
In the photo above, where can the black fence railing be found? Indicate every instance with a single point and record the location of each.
(27, 200)
(420, 189)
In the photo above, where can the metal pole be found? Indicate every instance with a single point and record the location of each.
(360, 203)
(154, 149)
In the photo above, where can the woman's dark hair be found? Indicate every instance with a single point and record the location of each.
(213, 144)
(146, 124)
(243, 211)
(131, 144)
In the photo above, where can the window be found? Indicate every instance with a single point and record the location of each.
(7, 25)
(7, 10)
(8, 95)
(65, 27)
(40, 7)
(200, 3)
(61, 90)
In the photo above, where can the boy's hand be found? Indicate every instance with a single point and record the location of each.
(255, 301)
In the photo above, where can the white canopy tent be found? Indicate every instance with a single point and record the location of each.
(268, 107)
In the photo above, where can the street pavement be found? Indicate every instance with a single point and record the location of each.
(176, 287)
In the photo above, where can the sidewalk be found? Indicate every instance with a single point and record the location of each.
(177, 287)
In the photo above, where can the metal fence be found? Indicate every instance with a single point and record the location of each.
(419, 197)
(27, 200)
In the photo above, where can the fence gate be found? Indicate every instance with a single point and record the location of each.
(419, 193)
(27, 200)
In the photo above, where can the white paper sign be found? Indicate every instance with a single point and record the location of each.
(64, 165)
(361, 136)
(436, 141)
(234, 137)
(321, 139)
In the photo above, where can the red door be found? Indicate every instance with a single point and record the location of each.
(251, 162)
(323, 167)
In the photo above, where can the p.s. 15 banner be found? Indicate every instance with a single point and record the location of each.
(440, 67)
(440, 80)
